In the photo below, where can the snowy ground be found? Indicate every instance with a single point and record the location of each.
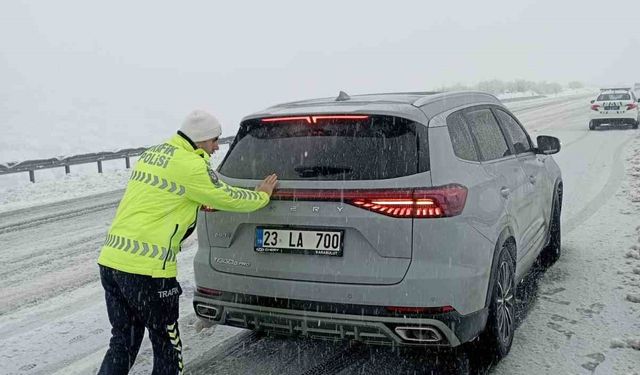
(582, 316)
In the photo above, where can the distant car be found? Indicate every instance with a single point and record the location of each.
(614, 106)
(400, 219)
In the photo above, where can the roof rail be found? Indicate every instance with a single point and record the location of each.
(404, 93)
(615, 88)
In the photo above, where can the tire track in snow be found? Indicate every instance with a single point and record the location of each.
(613, 183)
(350, 357)
(56, 253)
(29, 223)
(34, 216)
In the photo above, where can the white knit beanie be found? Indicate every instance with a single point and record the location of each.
(201, 126)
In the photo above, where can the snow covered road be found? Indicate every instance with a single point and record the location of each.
(578, 317)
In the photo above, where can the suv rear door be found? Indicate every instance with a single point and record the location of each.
(498, 160)
(330, 168)
(536, 180)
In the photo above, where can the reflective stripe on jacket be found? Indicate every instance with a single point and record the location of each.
(168, 185)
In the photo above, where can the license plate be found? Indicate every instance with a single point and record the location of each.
(299, 241)
(611, 108)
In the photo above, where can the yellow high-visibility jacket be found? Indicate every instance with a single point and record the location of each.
(169, 184)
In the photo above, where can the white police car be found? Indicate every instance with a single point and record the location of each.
(614, 106)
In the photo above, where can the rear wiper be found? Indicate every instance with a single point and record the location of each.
(320, 170)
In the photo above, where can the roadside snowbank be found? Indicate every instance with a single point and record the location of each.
(631, 271)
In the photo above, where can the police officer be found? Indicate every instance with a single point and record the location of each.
(158, 211)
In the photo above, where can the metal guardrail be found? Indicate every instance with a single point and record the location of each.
(66, 162)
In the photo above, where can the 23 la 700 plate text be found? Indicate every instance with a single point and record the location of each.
(299, 241)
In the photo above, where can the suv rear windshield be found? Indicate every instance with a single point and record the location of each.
(372, 148)
(619, 96)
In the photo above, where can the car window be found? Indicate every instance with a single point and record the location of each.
(618, 96)
(461, 139)
(378, 147)
(515, 134)
(487, 133)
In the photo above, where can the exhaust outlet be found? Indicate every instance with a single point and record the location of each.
(207, 312)
(419, 334)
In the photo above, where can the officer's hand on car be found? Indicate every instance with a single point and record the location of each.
(268, 184)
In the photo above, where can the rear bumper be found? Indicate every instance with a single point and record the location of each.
(615, 117)
(453, 270)
(450, 266)
(335, 322)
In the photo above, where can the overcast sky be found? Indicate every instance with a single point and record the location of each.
(128, 65)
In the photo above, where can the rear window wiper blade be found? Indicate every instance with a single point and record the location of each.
(320, 170)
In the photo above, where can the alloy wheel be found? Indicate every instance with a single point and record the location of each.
(505, 306)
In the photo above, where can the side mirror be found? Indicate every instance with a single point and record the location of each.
(593, 101)
(548, 145)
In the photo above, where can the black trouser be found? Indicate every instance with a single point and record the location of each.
(133, 303)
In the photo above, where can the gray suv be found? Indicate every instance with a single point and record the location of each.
(400, 219)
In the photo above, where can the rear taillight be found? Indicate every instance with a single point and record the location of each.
(425, 203)
(594, 107)
(632, 106)
(419, 310)
(401, 207)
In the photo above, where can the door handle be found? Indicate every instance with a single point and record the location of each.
(505, 191)
(532, 179)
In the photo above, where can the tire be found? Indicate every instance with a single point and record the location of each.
(551, 253)
(634, 125)
(592, 125)
(497, 337)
